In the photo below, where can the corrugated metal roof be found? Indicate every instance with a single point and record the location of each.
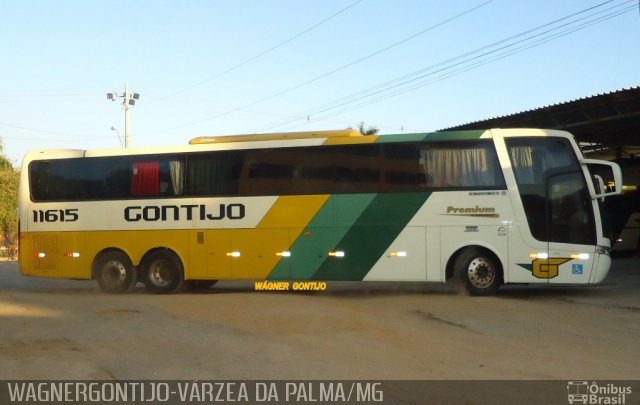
(611, 118)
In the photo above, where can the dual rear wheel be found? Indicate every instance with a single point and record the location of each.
(114, 272)
(161, 272)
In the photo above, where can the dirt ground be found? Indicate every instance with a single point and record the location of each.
(61, 329)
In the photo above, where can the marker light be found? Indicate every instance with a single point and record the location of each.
(73, 254)
(539, 255)
(284, 254)
(40, 255)
(398, 254)
(338, 253)
(233, 254)
(582, 256)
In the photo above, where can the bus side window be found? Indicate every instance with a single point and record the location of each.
(145, 180)
(175, 178)
(461, 165)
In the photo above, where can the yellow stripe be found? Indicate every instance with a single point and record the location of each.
(275, 136)
(212, 259)
(275, 233)
(351, 140)
(58, 249)
(293, 211)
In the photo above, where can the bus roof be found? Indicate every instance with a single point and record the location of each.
(274, 137)
(288, 139)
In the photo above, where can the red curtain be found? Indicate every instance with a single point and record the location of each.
(145, 181)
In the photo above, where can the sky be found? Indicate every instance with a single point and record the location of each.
(225, 67)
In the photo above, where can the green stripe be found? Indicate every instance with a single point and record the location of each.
(454, 135)
(324, 231)
(432, 136)
(401, 138)
(368, 239)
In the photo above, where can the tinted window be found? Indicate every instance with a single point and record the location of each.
(81, 179)
(461, 165)
(552, 189)
(364, 168)
(571, 217)
(158, 175)
(313, 170)
(107, 178)
(532, 158)
(214, 173)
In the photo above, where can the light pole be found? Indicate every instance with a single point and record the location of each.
(118, 133)
(129, 99)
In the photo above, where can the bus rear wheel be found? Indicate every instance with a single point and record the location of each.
(480, 270)
(114, 272)
(162, 272)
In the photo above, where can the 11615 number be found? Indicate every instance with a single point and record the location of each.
(68, 215)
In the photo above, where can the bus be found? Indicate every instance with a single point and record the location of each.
(494, 207)
(629, 238)
(625, 219)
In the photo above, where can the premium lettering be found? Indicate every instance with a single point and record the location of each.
(470, 210)
(476, 211)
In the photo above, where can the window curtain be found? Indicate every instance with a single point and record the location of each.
(145, 181)
(457, 168)
(522, 162)
(176, 171)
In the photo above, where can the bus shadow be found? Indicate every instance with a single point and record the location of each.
(342, 289)
(561, 292)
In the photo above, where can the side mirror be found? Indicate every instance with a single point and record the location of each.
(601, 192)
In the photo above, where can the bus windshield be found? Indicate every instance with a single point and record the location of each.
(551, 183)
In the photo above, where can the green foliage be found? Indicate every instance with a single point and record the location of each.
(9, 179)
(367, 131)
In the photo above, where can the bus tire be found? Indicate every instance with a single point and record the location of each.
(162, 272)
(480, 270)
(114, 272)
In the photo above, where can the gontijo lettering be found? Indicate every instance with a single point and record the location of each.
(187, 212)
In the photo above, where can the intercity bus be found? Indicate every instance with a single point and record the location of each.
(494, 207)
(629, 238)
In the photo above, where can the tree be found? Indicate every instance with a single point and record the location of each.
(367, 131)
(9, 179)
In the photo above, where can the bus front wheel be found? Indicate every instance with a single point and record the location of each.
(162, 272)
(114, 272)
(480, 270)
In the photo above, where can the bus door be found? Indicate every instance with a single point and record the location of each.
(558, 208)
(571, 229)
